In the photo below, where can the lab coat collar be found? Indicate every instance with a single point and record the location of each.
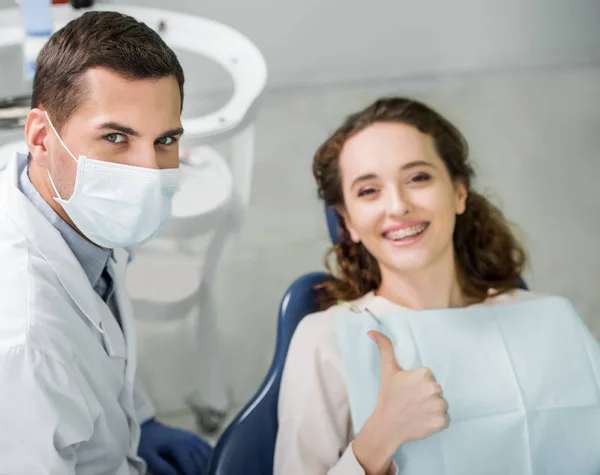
(49, 243)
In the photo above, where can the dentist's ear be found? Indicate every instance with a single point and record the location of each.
(37, 131)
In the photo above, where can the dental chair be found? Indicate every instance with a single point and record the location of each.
(248, 444)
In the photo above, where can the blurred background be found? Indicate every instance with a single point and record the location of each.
(520, 78)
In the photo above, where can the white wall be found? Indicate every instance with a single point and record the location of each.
(314, 41)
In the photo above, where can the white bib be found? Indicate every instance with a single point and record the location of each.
(521, 381)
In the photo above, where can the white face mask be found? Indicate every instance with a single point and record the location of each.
(117, 205)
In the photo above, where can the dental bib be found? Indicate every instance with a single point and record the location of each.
(522, 382)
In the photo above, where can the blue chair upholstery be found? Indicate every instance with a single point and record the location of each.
(333, 224)
(248, 444)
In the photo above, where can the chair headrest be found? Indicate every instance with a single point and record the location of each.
(333, 224)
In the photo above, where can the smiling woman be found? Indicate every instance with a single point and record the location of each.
(401, 157)
(463, 377)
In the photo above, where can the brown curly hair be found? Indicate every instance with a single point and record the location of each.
(487, 253)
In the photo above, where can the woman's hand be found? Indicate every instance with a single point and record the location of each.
(410, 407)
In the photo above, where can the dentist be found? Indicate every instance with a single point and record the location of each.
(100, 176)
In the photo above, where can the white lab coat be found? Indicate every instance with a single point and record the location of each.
(69, 399)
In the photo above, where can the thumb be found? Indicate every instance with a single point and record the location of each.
(389, 363)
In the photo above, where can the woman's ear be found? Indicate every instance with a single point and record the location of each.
(461, 194)
(341, 210)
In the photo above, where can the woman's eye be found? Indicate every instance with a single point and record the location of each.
(422, 177)
(115, 138)
(366, 191)
(167, 140)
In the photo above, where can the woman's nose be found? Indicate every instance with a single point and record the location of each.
(398, 203)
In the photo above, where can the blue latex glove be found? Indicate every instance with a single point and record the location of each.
(169, 451)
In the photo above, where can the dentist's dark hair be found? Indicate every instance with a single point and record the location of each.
(487, 253)
(105, 39)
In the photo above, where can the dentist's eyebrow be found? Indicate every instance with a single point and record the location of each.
(171, 133)
(114, 127)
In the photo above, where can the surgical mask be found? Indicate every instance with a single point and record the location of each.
(116, 205)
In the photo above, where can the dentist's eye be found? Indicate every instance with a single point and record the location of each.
(115, 138)
(166, 140)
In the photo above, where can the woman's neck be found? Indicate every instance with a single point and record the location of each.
(436, 286)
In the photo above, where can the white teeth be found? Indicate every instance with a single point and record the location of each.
(406, 232)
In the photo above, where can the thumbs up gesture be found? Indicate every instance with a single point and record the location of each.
(412, 400)
(410, 407)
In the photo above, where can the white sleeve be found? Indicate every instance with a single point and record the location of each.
(144, 409)
(315, 429)
(44, 414)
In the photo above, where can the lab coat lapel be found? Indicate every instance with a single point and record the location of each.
(128, 324)
(126, 309)
(49, 243)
